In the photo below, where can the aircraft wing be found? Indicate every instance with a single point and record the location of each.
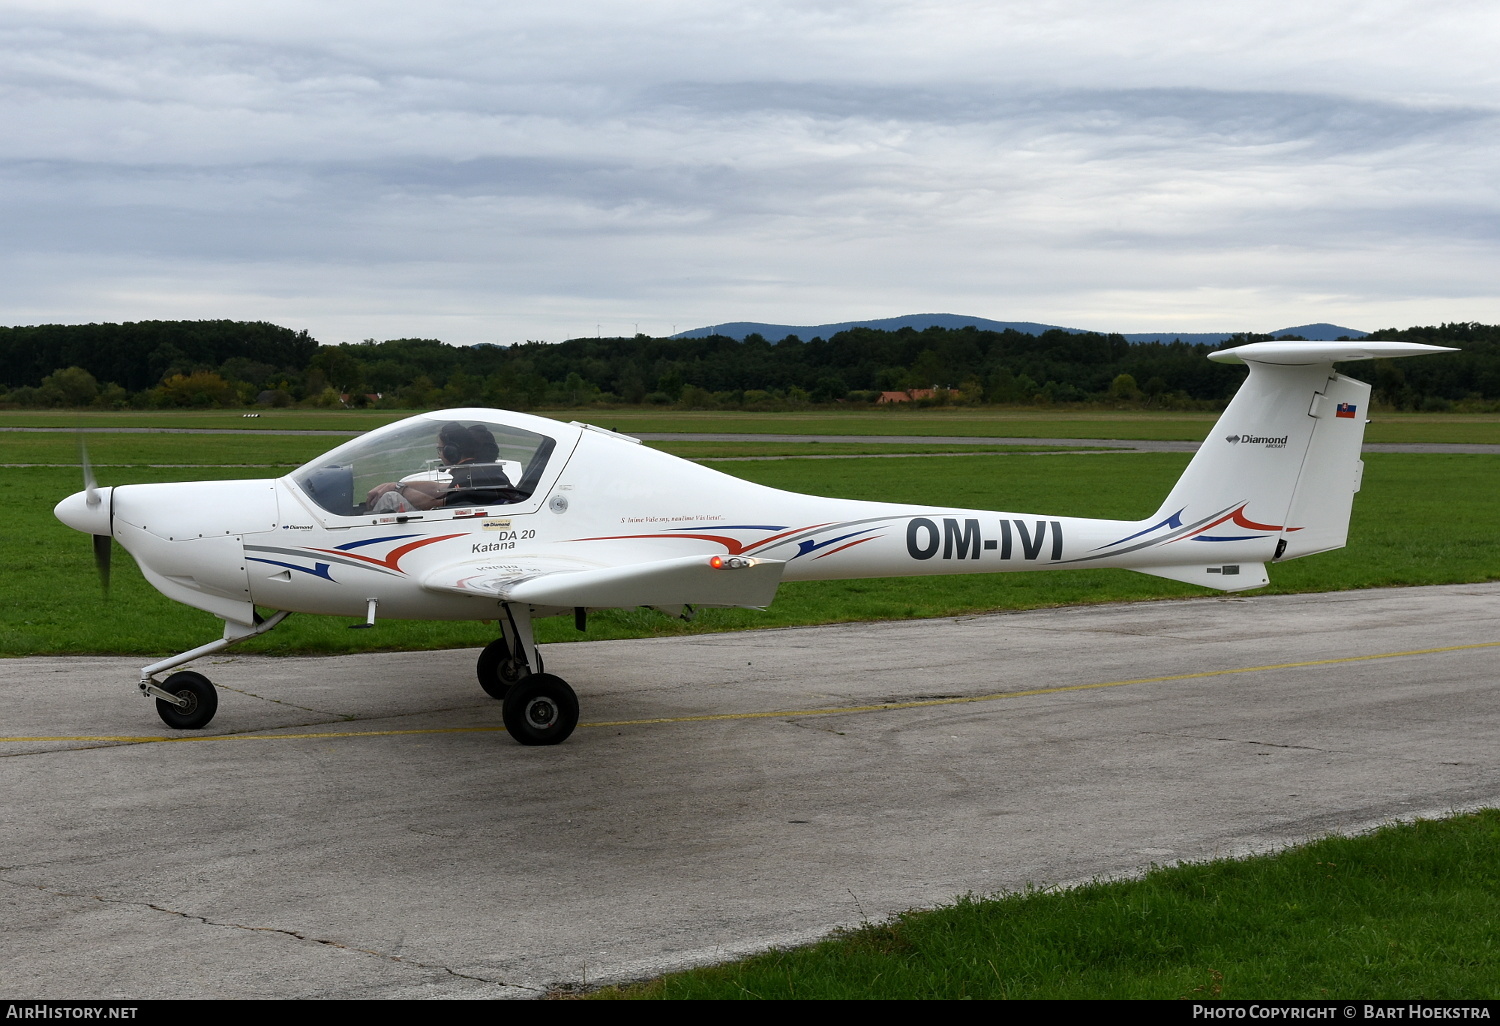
(684, 580)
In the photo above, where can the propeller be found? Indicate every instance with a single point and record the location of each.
(102, 547)
(102, 550)
(90, 486)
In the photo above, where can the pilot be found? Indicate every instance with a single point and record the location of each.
(469, 456)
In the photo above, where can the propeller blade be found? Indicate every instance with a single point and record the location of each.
(90, 486)
(102, 550)
(102, 547)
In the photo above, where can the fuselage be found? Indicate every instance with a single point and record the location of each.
(600, 500)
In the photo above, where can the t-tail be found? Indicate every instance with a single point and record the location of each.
(1276, 477)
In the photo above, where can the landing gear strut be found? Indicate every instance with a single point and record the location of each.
(187, 700)
(540, 708)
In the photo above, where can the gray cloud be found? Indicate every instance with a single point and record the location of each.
(1244, 118)
(514, 174)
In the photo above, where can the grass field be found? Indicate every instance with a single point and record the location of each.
(1025, 423)
(1421, 519)
(143, 450)
(264, 420)
(1394, 914)
(284, 451)
(983, 423)
(721, 450)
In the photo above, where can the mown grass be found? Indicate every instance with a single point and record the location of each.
(271, 419)
(932, 423)
(272, 451)
(1021, 423)
(294, 450)
(1026, 422)
(709, 450)
(1387, 428)
(1421, 519)
(1399, 913)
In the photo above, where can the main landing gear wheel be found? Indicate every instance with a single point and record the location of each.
(202, 701)
(498, 670)
(541, 710)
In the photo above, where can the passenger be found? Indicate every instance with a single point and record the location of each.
(469, 456)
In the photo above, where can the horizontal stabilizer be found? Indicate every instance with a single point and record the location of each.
(1293, 354)
(684, 580)
(1223, 576)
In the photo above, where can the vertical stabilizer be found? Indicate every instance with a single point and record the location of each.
(1246, 471)
(1278, 473)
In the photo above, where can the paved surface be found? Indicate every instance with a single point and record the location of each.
(403, 847)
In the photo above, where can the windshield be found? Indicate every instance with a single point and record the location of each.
(425, 464)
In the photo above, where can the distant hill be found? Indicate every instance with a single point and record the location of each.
(921, 322)
(1321, 332)
(1311, 332)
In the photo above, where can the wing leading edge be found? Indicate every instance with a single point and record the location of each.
(686, 580)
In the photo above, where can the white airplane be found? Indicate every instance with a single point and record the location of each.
(477, 514)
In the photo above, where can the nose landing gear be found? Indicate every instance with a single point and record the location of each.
(187, 700)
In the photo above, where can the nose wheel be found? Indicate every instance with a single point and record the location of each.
(197, 697)
(540, 709)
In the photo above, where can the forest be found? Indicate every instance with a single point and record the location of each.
(165, 364)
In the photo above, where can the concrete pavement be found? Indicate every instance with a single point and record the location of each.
(360, 826)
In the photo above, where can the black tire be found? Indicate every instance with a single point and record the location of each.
(202, 699)
(541, 710)
(497, 669)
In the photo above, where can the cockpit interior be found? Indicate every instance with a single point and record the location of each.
(428, 464)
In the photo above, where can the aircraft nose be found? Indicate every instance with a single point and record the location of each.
(76, 512)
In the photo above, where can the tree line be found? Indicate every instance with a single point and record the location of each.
(236, 363)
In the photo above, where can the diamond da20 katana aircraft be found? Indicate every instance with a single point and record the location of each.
(478, 514)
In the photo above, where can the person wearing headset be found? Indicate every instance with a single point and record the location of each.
(468, 455)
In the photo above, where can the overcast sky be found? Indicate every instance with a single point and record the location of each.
(499, 172)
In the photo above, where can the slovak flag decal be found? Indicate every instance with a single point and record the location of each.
(1344, 410)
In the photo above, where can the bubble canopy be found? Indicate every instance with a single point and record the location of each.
(445, 460)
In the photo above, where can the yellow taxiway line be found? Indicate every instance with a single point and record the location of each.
(778, 713)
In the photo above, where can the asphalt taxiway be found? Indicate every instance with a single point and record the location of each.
(361, 826)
